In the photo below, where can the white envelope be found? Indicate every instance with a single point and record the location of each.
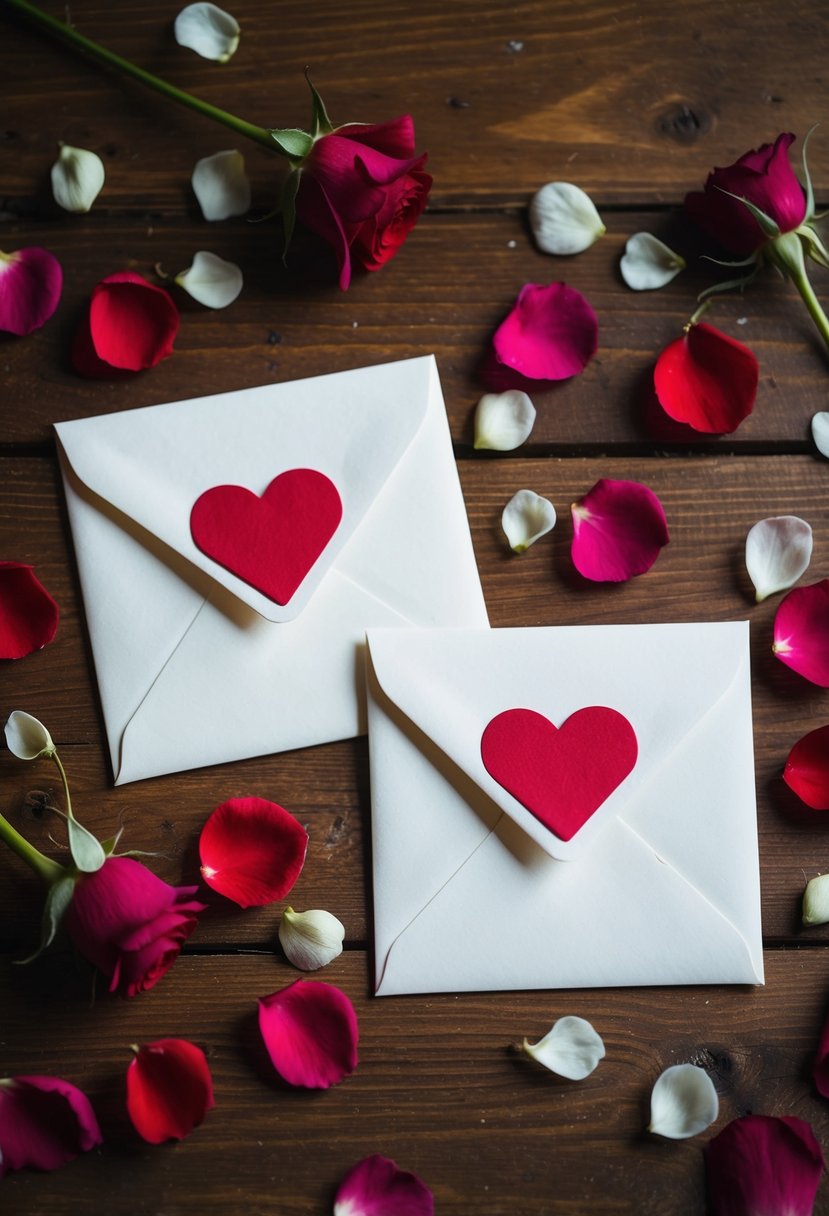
(194, 665)
(472, 892)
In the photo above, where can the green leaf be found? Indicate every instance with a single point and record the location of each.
(287, 208)
(320, 122)
(87, 852)
(57, 901)
(294, 143)
(810, 193)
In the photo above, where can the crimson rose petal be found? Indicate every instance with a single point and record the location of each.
(707, 380)
(801, 632)
(131, 325)
(28, 614)
(310, 1033)
(551, 334)
(169, 1089)
(619, 528)
(807, 769)
(763, 1164)
(44, 1122)
(376, 1186)
(252, 851)
(31, 281)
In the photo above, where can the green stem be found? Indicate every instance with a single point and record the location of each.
(62, 772)
(786, 252)
(48, 870)
(64, 32)
(812, 303)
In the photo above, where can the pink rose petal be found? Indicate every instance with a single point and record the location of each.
(551, 333)
(310, 1033)
(31, 281)
(801, 632)
(707, 380)
(28, 614)
(376, 1187)
(619, 528)
(252, 851)
(807, 769)
(762, 1165)
(169, 1090)
(44, 1122)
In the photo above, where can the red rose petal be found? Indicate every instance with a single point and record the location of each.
(619, 528)
(707, 380)
(551, 333)
(131, 325)
(375, 1186)
(801, 632)
(807, 769)
(310, 1033)
(252, 851)
(44, 1122)
(169, 1090)
(763, 1164)
(28, 614)
(31, 281)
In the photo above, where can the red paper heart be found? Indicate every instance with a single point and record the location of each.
(273, 541)
(562, 775)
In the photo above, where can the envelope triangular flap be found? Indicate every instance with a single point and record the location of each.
(152, 464)
(664, 678)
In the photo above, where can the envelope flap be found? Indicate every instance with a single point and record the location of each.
(662, 679)
(153, 464)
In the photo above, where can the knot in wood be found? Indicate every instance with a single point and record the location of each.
(683, 123)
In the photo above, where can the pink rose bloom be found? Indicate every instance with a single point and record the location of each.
(130, 923)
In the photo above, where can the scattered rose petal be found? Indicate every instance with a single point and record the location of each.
(820, 432)
(310, 1032)
(27, 738)
(252, 851)
(28, 614)
(208, 30)
(564, 219)
(807, 769)
(801, 632)
(527, 517)
(376, 1186)
(619, 528)
(763, 1164)
(211, 280)
(503, 420)
(816, 901)
(648, 263)
(221, 185)
(77, 178)
(778, 551)
(310, 939)
(44, 1122)
(31, 281)
(572, 1048)
(551, 333)
(683, 1102)
(707, 380)
(131, 325)
(169, 1089)
(820, 1068)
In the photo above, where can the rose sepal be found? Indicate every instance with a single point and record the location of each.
(292, 142)
(58, 899)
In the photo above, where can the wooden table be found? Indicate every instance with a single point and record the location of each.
(634, 102)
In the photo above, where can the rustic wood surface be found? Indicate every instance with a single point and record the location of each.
(634, 102)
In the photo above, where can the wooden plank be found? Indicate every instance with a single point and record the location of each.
(439, 1088)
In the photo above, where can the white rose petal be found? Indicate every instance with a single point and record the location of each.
(503, 420)
(571, 1049)
(778, 551)
(820, 432)
(310, 939)
(77, 178)
(683, 1103)
(816, 901)
(564, 219)
(527, 517)
(27, 738)
(207, 30)
(647, 263)
(211, 280)
(221, 185)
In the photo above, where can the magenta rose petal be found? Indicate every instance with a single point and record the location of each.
(763, 1164)
(619, 528)
(252, 851)
(169, 1090)
(31, 281)
(131, 325)
(707, 380)
(550, 334)
(376, 1186)
(28, 614)
(44, 1122)
(310, 1032)
(807, 769)
(801, 632)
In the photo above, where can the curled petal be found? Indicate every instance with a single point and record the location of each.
(27, 738)
(211, 280)
(252, 851)
(707, 380)
(820, 432)
(807, 769)
(169, 1089)
(31, 281)
(778, 551)
(77, 178)
(816, 901)
(310, 1032)
(503, 420)
(310, 939)
(550, 334)
(221, 185)
(28, 614)
(763, 1163)
(208, 30)
(683, 1102)
(801, 632)
(131, 326)
(376, 1186)
(648, 263)
(572, 1048)
(44, 1122)
(564, 219)
(527, 517)
(619, 528)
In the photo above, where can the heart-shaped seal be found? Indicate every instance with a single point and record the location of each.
(273, 541)
(561, 774)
